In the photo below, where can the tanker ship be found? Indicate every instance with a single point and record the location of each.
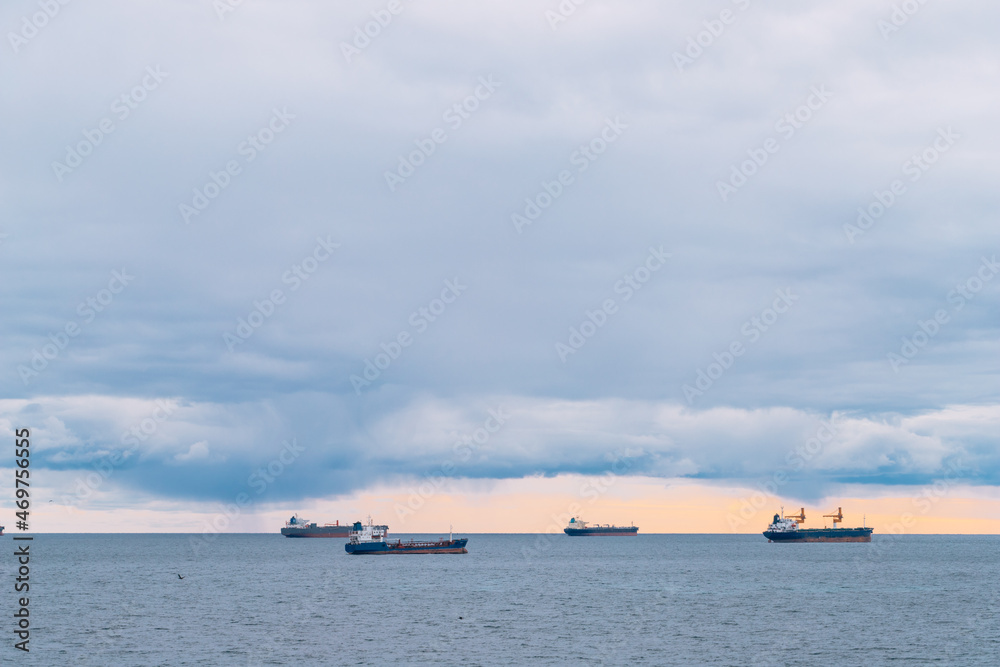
(786, 529)
(296, 527)
(369, 539)
(577, 528)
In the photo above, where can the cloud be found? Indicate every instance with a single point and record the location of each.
(162, 336)
(197, 452)
(509, 437)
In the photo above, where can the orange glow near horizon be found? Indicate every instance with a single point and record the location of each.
(536, 504)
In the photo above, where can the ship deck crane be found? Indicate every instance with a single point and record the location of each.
(837, 518)
(798, 518)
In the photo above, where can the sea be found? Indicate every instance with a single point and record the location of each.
(258, 599)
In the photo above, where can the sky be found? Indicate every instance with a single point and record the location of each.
(495, 264)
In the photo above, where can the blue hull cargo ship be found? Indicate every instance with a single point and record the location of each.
(786, 529)
(577, 528)
(369, 539)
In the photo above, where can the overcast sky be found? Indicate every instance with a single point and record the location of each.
(633, 231)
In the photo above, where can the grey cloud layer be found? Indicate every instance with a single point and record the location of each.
(212, 101)
(212, 451)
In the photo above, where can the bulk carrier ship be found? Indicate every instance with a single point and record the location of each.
(786, 529)
(578, 528)
(369, 539)
(296, 527)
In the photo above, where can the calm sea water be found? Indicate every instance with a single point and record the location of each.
(513, 599)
